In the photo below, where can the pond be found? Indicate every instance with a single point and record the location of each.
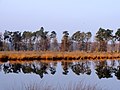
(60, 74)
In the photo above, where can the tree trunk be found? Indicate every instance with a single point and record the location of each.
(103, 46)
(119, 47)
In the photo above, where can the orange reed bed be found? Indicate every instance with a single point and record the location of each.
(48, 55)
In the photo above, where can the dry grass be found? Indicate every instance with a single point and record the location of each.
(69, 86)
(53, 56)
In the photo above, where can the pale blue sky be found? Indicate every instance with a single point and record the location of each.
(59, 15)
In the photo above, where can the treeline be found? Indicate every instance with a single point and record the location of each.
(42, 40)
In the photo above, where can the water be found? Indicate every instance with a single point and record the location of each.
(17, 76)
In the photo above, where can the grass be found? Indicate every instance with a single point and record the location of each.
(53, 56)
(70, 86)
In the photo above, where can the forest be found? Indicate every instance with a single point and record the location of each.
(42, 40)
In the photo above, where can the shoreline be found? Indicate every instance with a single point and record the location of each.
(56, 56)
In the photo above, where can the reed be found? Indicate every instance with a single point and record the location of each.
(52, 56)
(70, 86)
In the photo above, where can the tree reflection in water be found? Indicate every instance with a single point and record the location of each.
(0, 67)
(7, 68)
(103, 69)
(117, 71)
(81, 67)
(52, 68)
(38, 68)
(66, 66)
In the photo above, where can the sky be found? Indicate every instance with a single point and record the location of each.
(59, 15)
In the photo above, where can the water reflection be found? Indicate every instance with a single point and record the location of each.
(81, 68)
(39, 69)
(103, 69)
(66, 66)
(11, 68)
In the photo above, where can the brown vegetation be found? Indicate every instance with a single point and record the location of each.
(53, 56)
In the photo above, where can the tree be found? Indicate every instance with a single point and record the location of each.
(16, 40)
(54, 42)
(65, 41)
(103, 36)
(44, 42)
(117, 34)
(13, 40)
(76, 38)
(82, 39)
(7, 40)
(27, 40)
(113, 39)
(1, 42)
(88, 36)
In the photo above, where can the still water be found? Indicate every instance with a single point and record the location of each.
(16, 76)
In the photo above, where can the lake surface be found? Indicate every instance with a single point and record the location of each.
(17, 76)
